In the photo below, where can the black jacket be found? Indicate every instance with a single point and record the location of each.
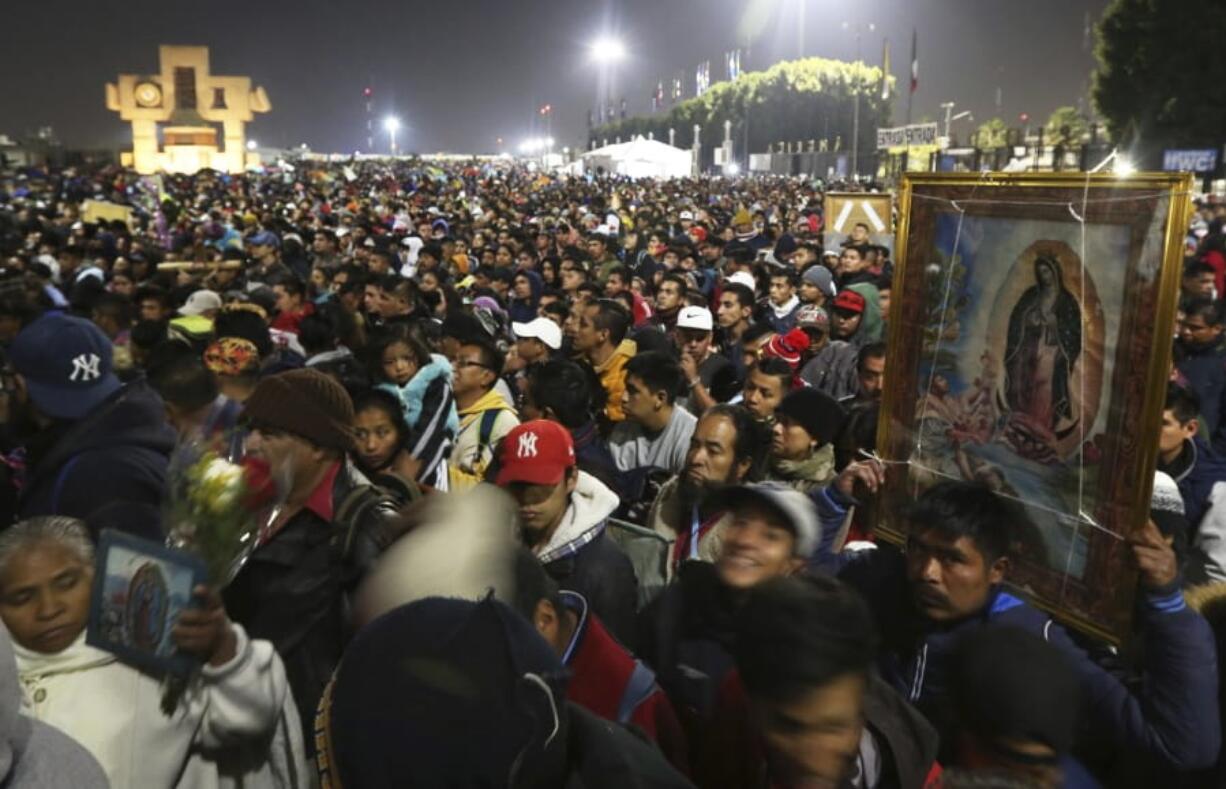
(112, 461)
(604, 754)
(292, 591)
(603, 574)
(686, 636)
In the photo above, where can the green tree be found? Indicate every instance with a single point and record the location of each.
(992, 134)
(807, 99)
(1066, 126)
(1161, 77)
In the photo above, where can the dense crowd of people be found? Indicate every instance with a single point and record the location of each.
(664, 395)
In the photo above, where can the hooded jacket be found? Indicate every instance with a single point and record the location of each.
(33, 754)
(234, 726)
(612, 373)
(116, 456)
(469, 457)
(871, 325)
(582, 558)
(524, 310)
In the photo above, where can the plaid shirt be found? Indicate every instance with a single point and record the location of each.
(572, 545)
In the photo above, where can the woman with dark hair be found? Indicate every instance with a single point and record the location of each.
(504, 256)
(1043, 344)
(380, 448)
(549, 273)
(421, 382)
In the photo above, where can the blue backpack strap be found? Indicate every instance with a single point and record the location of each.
(488, 419)
(60, 478)
(641, 685)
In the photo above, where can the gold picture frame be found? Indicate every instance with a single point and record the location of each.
(1029, 347)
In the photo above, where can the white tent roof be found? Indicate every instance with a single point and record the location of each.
(641, 158)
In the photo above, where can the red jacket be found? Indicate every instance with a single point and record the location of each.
(609, 681)
(288, 321)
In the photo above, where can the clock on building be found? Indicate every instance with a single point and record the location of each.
(148, 94)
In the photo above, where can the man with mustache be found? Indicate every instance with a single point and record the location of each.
(725, 448)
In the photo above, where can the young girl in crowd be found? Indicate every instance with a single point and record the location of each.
(381, 433)
(421, 383)
(234, 724)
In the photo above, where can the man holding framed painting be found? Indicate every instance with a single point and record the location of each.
(1029, 357)
(953, 581)
(1027, 353)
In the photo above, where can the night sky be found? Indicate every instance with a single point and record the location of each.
(462, 73)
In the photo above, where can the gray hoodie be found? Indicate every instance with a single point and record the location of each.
(33, 754)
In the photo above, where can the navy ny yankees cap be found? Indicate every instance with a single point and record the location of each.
(66, 363)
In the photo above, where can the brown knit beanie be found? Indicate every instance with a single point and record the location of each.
(307, 403)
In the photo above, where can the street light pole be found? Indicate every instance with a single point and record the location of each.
(948, 106)
(859, 27)
(392, 125)
(606, 52)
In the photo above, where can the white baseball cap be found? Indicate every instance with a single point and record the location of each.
(744, 278)
(695, 318)
(542, 329)
(686, 215)
(200, 302)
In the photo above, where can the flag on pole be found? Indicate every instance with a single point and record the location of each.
(885, 72)
(677, 90)
(733, 61)
(914, 60)
(623, 107)
(702, 78)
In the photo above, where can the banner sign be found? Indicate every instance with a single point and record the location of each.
(1190, 161)
(901, 136)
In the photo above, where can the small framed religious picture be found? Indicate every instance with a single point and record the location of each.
(1030, 349)
(140, 588)
(858, 218)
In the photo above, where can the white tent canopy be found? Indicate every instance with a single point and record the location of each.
(640, 158)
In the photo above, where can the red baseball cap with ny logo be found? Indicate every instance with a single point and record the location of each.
(536, 452)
